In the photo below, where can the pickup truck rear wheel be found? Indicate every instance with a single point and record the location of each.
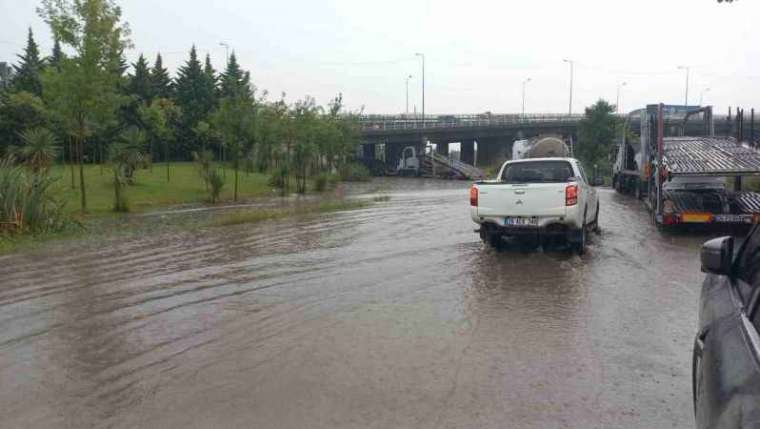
(595, 225)
(580, 239)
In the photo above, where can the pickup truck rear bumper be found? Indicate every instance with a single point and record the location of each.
(553, 231)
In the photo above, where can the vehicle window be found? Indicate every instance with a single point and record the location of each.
(539, 171)
(747, 265)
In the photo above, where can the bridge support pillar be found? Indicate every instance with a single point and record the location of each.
(467, 151)
(442, 148)
(368, 151)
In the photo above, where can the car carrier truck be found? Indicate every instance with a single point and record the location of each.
(689, 179)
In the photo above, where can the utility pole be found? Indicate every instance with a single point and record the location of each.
(686, 98)
(523, 95)
(407, 93)
(617, 102)
(572, 67)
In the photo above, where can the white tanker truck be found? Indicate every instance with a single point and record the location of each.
(540, 147)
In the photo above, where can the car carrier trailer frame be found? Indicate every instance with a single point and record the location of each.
(687, 176)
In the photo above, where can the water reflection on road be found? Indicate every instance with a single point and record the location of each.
(390, 316)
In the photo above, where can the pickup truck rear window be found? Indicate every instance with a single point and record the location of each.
(538, 172)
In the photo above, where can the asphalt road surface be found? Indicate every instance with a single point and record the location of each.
(393, 316)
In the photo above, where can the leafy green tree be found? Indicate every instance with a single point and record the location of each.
(126, 155)
(18, 112)
(27, 72)
(596, 135)
(305, 122)
(234, 120)
(39, 149)
(84, 93)
(160, 119)
(161, 83)
(140, 85)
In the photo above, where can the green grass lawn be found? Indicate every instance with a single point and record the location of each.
(151, 189)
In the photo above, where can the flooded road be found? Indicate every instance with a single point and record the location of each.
(392, 316)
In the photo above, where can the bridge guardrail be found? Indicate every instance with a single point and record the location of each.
(464, 122)
(385, 123)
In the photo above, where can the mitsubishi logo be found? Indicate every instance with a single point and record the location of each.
(519, 202)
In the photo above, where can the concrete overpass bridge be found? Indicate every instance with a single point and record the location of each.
(385, 136)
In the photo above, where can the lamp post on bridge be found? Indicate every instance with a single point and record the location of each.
(686, 98)
(407, 93)
(617, 102)
(227, 51)
(572, 67)
(422, 56)
(524, 83)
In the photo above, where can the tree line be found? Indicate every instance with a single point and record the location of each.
(83, 103)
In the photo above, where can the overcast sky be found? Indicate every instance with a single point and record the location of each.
(478, 52)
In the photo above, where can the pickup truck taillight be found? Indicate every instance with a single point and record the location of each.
(474, 196)
(571, 195)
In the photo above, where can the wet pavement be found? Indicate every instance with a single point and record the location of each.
(393, 316)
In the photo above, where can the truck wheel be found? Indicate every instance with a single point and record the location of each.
(580, 239)
(596, 227)
(579, 244)
(494, 240)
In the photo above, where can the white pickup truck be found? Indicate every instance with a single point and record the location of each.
(539, 198)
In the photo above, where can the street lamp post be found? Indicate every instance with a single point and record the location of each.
(617, 102)
(227, 51)
(524, 83)
(423, 86)
(686, 98)
(572, 67)
(702, 95)
(407, 93)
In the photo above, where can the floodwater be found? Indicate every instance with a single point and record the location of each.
(393, 316)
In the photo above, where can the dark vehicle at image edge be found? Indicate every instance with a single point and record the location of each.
(726, 358)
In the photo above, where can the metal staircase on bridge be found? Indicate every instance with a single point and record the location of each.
(437, 165)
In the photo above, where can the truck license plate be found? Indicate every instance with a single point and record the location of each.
(521, 221)
(727, 218)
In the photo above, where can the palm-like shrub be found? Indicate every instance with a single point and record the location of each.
(39, 149)
(27, 201)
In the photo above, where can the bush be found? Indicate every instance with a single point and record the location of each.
(353, 172)
(324, 180)
(279, 178)
(216, 184)
(28, 201)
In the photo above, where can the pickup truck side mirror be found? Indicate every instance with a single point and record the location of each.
(718, 255)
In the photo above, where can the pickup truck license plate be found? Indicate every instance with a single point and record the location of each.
(727, 218)
(521, 221)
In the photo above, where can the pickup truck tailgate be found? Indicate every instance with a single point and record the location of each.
(521, 199)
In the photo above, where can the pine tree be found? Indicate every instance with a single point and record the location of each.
(194, 97)
(140, 82)
(236, 82)
(57, 56)
(212, 80)
(161, 83)
(27, 76)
